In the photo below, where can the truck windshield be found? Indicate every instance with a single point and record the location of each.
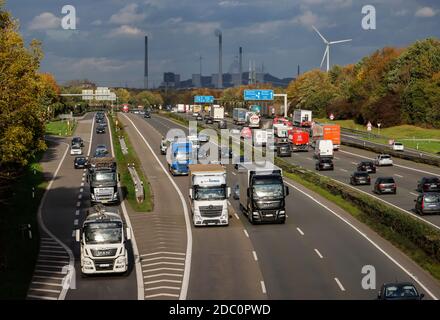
(271, 188)
(103, 232)
(181, 156)
(104, 176)
(210, 193)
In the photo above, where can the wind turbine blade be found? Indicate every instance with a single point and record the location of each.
(340, 41)
(322, 37)
(323, 58)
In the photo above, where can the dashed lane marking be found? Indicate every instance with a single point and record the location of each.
(300, 231)
(340, 284)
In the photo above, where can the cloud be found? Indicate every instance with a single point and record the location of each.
(230, 4)
(45, 21)
(97, 23)
(401, 13)
(127, 15)
(307, 19)
(425, 12)
(125, 31)
(201, 28)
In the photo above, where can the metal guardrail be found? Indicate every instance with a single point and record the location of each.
(138, 184)
(123, 145)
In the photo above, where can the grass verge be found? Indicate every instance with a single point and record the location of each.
(18, 253)
(62, 128)
(126, 181)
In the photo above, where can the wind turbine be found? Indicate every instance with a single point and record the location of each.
(327, 49)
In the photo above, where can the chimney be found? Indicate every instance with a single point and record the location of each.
(220, 67)
(146, 64)
(240, 67)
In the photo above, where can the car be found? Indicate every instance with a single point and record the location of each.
(241, 160)
(324, 164)
(399, 291)
(76, 150)
(397, 146)
(196, 114)
(428, 203)
(209, 120)
(163, 146)
(199, 118)
(385, 185)
(100, 129)
(147, 115)
(203, 138)
(101, 150)
(77, 140)
(222, 124)
(284, 150)
(429, 184)
(367, 166)
(80, 163)
(383, 160)
(360, 178)
(236, 192)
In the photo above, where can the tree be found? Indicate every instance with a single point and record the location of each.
(123, 95)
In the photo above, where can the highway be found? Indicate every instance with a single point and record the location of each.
(318, 253)
(62, 211)
(406, 174)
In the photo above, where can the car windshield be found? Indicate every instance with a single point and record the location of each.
(400, 291)
(385, 157)
(82, 159)
(387, 180)
(367, 164)
(397, 144)
(268, 188)
(181, 156)
(361, 174)
(326, 161)
(432, 198)
(103, 233)
(210, 193)
(104, 176)
(432, 180)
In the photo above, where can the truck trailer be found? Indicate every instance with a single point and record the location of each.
(102, 177)
(239, 116)
(327, 132)
(262, 192)
(217, 113)
(209, 194)
(302, 118)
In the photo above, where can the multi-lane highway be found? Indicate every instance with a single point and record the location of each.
(318, 254)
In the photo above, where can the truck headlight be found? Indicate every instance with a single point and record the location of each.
(92, 196)
(115, 196)
(87, 262)
(120, 261)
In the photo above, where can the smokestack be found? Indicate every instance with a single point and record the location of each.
(220, 67)
(298, 71)
(146, 64)
(240, 65)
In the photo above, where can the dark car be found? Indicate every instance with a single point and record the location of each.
(77, 141)
(324, 164)
(209, 120)
(222, 124)
(429, 184)
(428, 203)
(80, 163)
(236, 192)
(100, 129)
(101, 151)
(385, 185)
(399, 291)
(199, 117)
(284, 150)
(147, 115)
(367, 166)
(360, 178)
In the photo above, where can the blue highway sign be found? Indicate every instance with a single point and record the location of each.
(258, 94)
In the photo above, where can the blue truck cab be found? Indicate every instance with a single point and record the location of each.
(181, 157)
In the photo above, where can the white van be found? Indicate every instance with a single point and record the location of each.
(324, 149)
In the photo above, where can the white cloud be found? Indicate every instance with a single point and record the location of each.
(426, 12)
(329, 4)
(307, 19)
(125, 31)
(128, 14)
(45, 21)
(201, 28)
(230, 4)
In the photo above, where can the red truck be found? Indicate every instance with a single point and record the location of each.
(299, 139)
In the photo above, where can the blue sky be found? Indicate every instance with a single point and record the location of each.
(107, 46)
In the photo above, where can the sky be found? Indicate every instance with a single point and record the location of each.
(107, 46)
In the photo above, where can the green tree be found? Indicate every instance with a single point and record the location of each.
(123, 95)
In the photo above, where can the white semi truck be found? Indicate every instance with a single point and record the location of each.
(102, 242)
(208, 194)
(217, 112)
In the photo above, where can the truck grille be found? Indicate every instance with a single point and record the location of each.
(104, 264)
(104, 253)
(211, 211)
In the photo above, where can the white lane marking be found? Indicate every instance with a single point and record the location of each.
(255, 255)
(52, 256)
(60, 250)
(398, 175)
(80, 196)
(51, 278)
(84, 174)
(81, 190)
(162, 280)
(78, 204)
(236, 215)
(73, 233)
(33, 296)
(47, 266)
(162, 295)
(44, 290)
(185, 284)
(163, 275)
(353, 163)
(318, 253)
(47, 283)
(246, 233)
(82, 184)
(84, 170)
(229, 202)
(308, 158)
(160, 269)
(162, 287)
(158, 258)
(163, 262)
(368, 239)
(233, 173)
(336, 158)
(394, 164)
(82, 179)
(49, 271)
(75, 222)
(140, 284)
(343, 170)
(91, 136)
(161, 252)
(414, 194)
(77, 213)
(46, 230)
(263, 287)
(340, 284)
(300, 231)
(54, 261)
